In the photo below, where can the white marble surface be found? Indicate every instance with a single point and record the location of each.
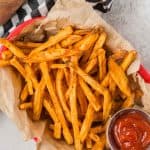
(132, 19)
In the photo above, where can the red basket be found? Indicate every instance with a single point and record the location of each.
(145, 74)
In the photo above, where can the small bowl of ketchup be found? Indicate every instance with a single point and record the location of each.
(129, 129)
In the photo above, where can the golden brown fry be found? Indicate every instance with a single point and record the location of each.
(38, 100)
(98, 129)
(15, 63)
(90, 96)
(50, 55)
(82, 100)
(87, 42)
(24, 93)
(7, 54)
(58, 66)
(71, 39)
(50, 86)
(87, 123)
(128, 102)
(82, 31)
(26, 105)
(102, 65)
(99, 145)
(62, 34)
(15, 50)
(31, 75)
(67, 75)
(60, 92)
(92, 61)
(119, 77)
(4, 63)
(95, 85)
(112, 86)
(119, 54)
(26, 44)
(57, 125)
(58, 45)
(74, 113)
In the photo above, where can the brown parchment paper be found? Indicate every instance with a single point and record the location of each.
(81, 14)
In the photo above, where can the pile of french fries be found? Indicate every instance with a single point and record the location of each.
(74, 80)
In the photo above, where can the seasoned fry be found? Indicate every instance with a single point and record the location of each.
(100, 42)
(95, 85)
(87, 123)
(87, 42)
(15, 50)
(26, 105)
(74, 113)
(47, 78)
(54, 39)
(7, 54)
(102, 65)
(119, 77)
(31, 75)
(27, 44)
(90, 96)
(38, 100)
(71, 40)
(59, 90)
(24, 93)
(82, 100)
(57, 126)
(50, 55)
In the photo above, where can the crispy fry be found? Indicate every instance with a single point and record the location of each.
(15, 50)
(59, 90)
(26, 105)
(82, 31)
(54, 40)
(27, 44)
(31, 75)
(90, 96)
(57, 126)
(74, 113)
(50, 55)
(119, 54)
(85, 128)
(128, 102)
(95, 85)
(102, 65)
(7, 55)
(47, 78)
(24, 93)
(100, 42)
(94, 137)
(82, 100)
(38, 100)
(119, 77)
(98, 129)
(67, 76)
(87, 42)
(58, 66)
(71, 39)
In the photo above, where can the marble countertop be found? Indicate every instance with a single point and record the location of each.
(132, 20)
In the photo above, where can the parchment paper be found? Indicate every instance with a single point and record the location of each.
(65, 12)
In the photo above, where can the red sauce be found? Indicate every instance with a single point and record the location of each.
(132, 131)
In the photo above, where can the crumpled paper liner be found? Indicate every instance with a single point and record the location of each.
(81, 14)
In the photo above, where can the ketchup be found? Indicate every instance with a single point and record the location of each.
(132, 131)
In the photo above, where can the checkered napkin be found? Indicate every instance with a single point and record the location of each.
(36, 8)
